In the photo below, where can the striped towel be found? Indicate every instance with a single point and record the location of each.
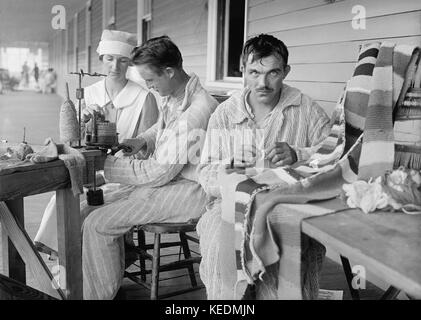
(348, 116)
(388, 78)
(367, 112)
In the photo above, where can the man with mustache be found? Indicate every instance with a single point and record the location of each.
(292, 125)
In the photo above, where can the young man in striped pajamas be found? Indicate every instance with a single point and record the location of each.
(167, 188)
(292, 124)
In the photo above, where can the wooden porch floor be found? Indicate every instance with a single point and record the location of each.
(332, 277)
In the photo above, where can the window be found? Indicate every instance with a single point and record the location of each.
(226, 36)
(144, 20)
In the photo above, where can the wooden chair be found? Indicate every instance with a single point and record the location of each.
(141, 249)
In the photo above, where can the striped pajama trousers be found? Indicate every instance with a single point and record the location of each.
(103, 230)
(209, 231)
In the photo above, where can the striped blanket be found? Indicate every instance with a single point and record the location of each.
(364, 110)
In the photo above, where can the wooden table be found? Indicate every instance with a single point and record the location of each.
(388, 244)
(17, 247)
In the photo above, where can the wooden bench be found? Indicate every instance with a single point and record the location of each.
(387, 244)
(18, 250)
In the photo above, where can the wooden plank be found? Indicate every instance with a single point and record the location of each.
(28, 252)
(12, 264)
(69, 243)
(378, 27)
(338, 51)
(185, 39)
(81, 29)
(191, 27)
(321, 72)
(96, 31)
(14, 290)
(22, 184)
(16, 266)
(190, 19)
(29, 178)
(179, 20)
(164, 8)
(4, 257)
(385, 243)
(324, 91)
(18, 166)
(70, 46)
(126, 15)
(253, 3)
(195, 50)
(158, 5)
(263, 9)
(194, 61)
(339, 11)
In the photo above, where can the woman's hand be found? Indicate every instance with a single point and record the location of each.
(89, 111)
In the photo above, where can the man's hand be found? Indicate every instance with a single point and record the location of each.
(281, 154)
(239, 168)
(88, 112)
(132, 146)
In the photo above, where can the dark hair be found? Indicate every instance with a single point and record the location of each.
(158, 52)
(263, 46)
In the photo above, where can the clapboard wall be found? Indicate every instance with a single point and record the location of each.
(82, 58)
(186, 22)
(322, 43)
(70, 46)
(96, 31)
(126, 15)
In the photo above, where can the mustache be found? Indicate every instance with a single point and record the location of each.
(264, 89)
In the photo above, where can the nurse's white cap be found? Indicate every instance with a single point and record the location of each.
(117, 42)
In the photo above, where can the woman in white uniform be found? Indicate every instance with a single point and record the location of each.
(132, 107)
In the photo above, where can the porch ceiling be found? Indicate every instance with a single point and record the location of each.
(30, 20)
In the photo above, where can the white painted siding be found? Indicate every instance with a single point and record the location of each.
(82, 58)
(96, 31)
(322, 43)
(70, 46)
(126, 15)
(185, 22)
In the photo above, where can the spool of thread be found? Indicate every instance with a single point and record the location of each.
(69, 125)
(106, 133)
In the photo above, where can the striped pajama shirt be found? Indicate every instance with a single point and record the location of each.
(296, 119)
(166, 189)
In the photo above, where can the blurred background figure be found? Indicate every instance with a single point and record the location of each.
(36, 72)
(50, 82)
(25, 75)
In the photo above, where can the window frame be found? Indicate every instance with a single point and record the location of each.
(212, 79)
(144, 15)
